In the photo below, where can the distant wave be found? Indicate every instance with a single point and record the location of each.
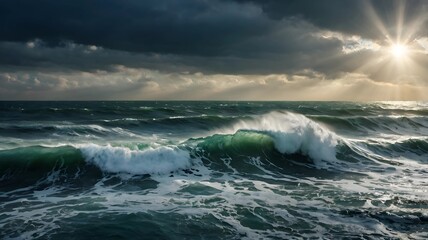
(62, 129)
(387, 124)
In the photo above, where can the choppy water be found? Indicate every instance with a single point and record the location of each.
(213, 170)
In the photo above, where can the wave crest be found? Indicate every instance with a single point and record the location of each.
(293, 133)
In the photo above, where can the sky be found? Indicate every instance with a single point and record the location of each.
(353, 50)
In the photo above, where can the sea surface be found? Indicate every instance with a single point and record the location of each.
(213, 170)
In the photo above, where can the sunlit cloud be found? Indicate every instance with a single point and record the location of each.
(423, 42)
(351, 44)
(138, 83)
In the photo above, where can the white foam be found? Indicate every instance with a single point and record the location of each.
(161, 160)
(294, 133)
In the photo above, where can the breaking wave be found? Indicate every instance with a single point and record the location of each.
(293, 133)
(159, 160)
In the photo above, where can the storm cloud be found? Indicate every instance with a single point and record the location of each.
(74, 47)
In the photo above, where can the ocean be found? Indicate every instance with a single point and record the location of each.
(213, 170)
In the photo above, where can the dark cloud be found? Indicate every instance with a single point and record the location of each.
(288, 46)
(192, 27)
(349, 16)
(241, 36)
(176, 27)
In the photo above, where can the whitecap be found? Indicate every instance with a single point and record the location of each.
(160, 160)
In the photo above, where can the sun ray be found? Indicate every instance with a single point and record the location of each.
(377, 22)
(400, 20)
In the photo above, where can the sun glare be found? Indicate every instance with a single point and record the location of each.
(399, 50)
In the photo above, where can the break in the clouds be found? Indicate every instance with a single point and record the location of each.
(234, 50)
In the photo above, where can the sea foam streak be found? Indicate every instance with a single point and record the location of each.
(159, 160)
(294, 133)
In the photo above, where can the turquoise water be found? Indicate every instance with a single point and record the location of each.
(213, 170)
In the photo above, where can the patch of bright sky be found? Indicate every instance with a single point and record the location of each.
(351, 44)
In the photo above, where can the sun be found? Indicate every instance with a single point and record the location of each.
(399, 50)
